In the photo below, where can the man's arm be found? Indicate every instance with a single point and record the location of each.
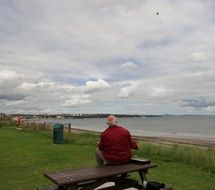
(134, 144)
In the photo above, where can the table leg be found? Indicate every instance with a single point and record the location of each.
(143, 175)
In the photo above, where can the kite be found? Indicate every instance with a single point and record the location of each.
(157, 13)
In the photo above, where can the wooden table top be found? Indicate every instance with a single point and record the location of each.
(74, 176)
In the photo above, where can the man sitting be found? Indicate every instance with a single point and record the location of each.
(115, 144)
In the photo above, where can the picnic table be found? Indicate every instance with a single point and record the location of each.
(93, 177)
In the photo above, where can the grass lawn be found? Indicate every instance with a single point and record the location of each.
(26, 154)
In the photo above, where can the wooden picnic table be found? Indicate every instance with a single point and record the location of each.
(91, 178)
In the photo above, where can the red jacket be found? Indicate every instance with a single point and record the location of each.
(116, 143)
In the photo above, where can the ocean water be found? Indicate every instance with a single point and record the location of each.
(194, 127)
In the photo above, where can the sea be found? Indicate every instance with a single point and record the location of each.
(192, 127)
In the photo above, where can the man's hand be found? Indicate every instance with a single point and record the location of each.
(98, 142)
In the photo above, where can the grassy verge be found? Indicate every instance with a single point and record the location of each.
(26, 154)
(202, 158)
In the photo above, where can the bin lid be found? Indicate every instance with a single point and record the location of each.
(58, 126)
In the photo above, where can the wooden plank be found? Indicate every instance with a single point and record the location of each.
(48, 188)
(72, 176)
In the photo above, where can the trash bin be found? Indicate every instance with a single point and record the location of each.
(58, 133)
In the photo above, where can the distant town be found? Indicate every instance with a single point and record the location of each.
(70, 116)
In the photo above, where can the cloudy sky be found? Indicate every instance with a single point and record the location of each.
(115, 56)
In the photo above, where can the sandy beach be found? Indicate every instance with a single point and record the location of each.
(166, 140)
(184, 141)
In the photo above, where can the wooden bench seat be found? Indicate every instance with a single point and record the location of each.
(48, 188)
(123, 184)
(106, 188)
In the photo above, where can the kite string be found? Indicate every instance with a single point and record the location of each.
(159, 17)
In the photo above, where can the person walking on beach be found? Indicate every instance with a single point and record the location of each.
(115, 144)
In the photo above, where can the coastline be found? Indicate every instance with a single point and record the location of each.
(165, 140)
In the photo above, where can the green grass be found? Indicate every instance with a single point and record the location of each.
(26, 154)
(199, 157)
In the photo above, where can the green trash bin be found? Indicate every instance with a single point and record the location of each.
(58, 133)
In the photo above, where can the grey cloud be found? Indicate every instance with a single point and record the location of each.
(11, 97)
(197, 103)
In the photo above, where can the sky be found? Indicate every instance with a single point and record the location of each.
(115, 56)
